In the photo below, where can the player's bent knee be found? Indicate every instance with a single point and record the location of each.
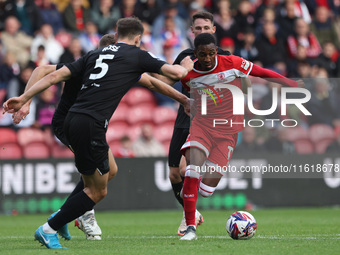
(205, 190)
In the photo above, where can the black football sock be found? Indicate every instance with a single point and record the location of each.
(79, 187)
(72, 209)
(177, 187)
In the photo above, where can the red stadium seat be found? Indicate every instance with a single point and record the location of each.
(138, 96)
(163, 132)
(163, 115)
(134, 132)
(120, 114)
(140, 115)
(36, 150)
(321, 135)
(296, 133)
(304, 146)
(10, 150)
(8, 135)
(61, 151)
(114, 146)
(116, 131)
(28, 135)
(166, 146)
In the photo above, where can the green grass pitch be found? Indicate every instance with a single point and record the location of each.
(280, 231)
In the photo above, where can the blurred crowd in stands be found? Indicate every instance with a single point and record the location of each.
(297, 38)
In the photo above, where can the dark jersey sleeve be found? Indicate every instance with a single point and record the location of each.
(149, 62)
(77, 67)
(60, 65)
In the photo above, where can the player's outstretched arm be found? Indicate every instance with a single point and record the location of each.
(163, 88)
(177, 72)
(37, 74)
(14, 104)
(275, 77)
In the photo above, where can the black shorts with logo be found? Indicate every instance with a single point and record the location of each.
(87, 137)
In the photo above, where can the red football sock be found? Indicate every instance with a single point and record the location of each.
(190, 194)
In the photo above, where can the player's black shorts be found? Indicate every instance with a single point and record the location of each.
(87, 138)
(178, 139)
(58, 128)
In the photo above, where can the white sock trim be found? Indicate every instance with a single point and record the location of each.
(47, 229)
(191, 172)
(205, 190)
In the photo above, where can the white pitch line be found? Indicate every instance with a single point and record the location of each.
(273, 237)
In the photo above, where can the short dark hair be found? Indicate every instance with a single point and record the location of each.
(204, 39)
(129, 27)
(203, 15)
(107, 40)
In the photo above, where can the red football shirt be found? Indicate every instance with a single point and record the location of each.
(227, 71)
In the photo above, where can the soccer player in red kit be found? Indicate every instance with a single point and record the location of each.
(209, 148)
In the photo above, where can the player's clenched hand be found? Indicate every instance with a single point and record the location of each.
(13, 105)
(301, 84)
(21, 114)
(187, 63)
(189, 107)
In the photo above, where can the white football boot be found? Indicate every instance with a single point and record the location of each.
(88, 224)
(190, 234)
(183, 226)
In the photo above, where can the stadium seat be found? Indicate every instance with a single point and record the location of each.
(10, 150)
(164, 132)
(61, 151)
(296, 133)
(8, 135)
(321, 135)
(304, 146)
(120, 114)
(28, 135)
(163, 115)
(36, 150)
(116, 131)
(134, 132)
(114, 146)
(140, 115)
(139, 96)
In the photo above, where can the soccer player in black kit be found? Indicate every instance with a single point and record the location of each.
(107, 73)
(87, 222)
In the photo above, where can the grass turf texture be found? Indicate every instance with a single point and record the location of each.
(280, 231)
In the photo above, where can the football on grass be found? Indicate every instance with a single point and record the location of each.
(241, 225)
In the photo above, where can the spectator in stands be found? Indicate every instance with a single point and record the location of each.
(293, 63)
(125, 151)
(127, 8)
(148, 10)
(227, 44)
(41, 58)
(182, 10)
(244, 18)
(73, 52)
(304, 37)
(27, 13)
(16, 41)
(271, 46)
(45, 37)
(250, 143)
(171, 41)
(278, 142)
(89, 39)
(226, 25)
(146, 145)
(323, 104)
(323, 27)
(8, 70)
(300, 8)
(268, 16)
(105, 15)
(50, 15)
(286, 20)
(75, 16)
(147, 39)
(248, 50)
(329, 59)
(169, 11)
